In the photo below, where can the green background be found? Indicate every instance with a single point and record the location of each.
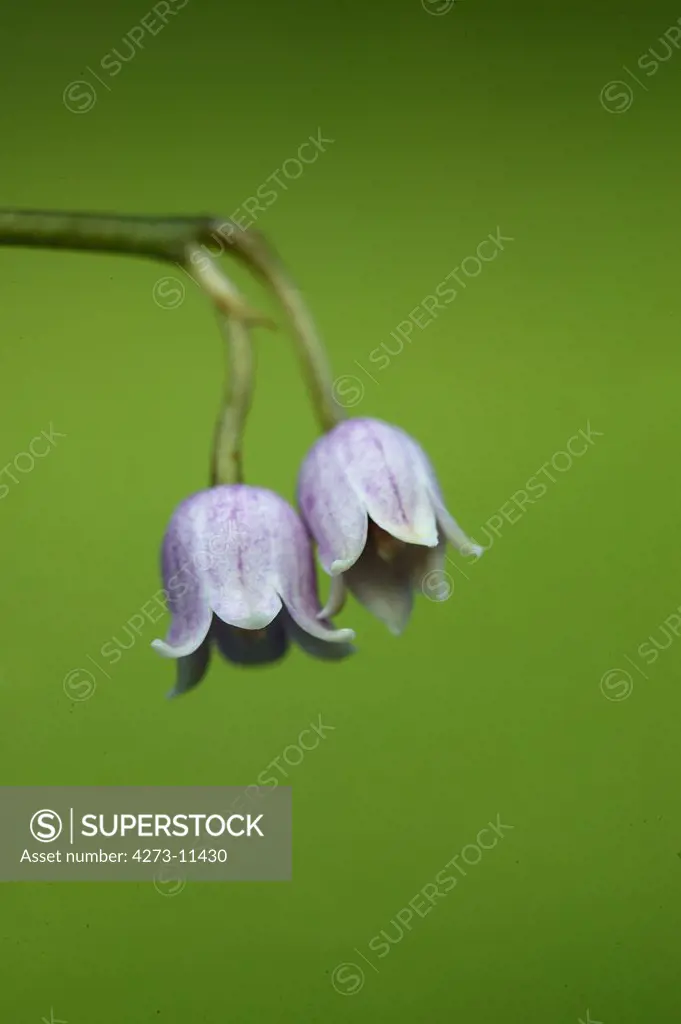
(445, 128)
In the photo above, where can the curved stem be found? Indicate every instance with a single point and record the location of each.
(171, 238)
(253, 249)
(227, 457)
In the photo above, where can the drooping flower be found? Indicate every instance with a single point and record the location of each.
(369, 496)
(239, 575)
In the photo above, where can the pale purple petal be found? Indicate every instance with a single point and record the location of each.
(330, 508)
(298, 582)
(386, 471)
(242, 577)
(335, 602)
(186, 595)
(366, 465)
(459, 540)
(313, 645)
(446, 523)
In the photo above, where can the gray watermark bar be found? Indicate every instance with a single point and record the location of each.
(140, 833)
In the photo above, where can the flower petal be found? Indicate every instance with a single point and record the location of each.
(185, 593)
(384, 588)
(242, 579)
(331, 510)
(297, 583)
(455, 535)
(323, 649)
(388, 473)
(191, 670)
(336, 599)
(420, 562)
(447, 524)
(430, 576)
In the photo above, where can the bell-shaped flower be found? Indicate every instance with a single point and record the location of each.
(369, 496)
(239, 575)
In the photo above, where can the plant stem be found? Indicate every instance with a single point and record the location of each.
(254, 250)
(163, 238)
(175, 239)
(227, 458)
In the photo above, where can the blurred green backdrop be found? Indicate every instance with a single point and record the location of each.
(448, 124)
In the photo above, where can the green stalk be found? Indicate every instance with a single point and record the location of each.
(227, 457)
(177, 240)
(252, 248)
(163, 238)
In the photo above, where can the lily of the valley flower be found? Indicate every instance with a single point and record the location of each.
(238, 570)
(369, 496)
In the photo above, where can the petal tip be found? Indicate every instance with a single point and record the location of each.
(341, 565)
(338, 636)
(184, 650)
(421, 540)
(344, 636)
